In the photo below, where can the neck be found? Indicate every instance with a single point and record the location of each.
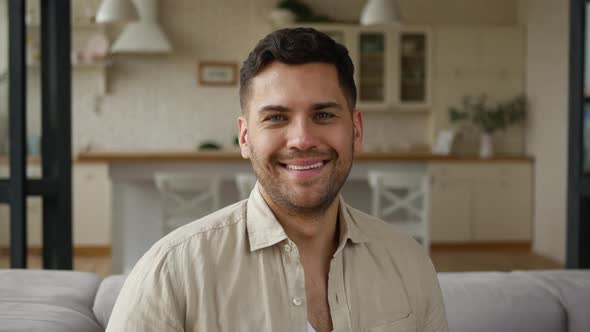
(316, 235)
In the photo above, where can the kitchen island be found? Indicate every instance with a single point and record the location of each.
(136, 206)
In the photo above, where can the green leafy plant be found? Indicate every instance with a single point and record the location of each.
(209, 145)
(302, 12)
(489, 118)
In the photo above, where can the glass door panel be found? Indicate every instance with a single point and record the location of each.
(412, 67)
(372, 67)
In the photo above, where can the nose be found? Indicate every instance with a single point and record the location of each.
(302, 135)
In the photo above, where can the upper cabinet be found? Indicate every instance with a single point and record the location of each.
(392, 65)
(413, 61)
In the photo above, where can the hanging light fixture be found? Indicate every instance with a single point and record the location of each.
(380, 12)
(114, 11)
(145, 35)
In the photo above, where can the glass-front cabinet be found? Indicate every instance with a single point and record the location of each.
(372, 48)
(414, 68)
(392, 65)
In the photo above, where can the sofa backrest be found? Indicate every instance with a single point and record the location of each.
(37, 300)
(494, 301)
(105, 298)
(480, 301)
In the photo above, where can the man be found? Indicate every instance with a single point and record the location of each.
(293, 256)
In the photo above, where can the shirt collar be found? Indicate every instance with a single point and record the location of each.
(264, 230)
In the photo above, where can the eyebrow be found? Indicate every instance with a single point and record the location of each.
(314, 107)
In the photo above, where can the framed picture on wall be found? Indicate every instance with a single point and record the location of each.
(212, 73)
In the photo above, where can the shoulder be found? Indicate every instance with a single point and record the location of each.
(384, 234)
(226, 219)
(192, 238)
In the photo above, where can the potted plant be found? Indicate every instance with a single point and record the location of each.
(289, 11)
(489, 118)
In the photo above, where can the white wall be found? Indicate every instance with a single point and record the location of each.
(547, 88)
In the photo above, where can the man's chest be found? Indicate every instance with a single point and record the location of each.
(318, 308)
(270, 293)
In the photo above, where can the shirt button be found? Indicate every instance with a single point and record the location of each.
(297, 301)
(287, 248)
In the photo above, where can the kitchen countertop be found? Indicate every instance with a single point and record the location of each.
(228, 155)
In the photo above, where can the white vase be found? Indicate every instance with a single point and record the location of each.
(486, 147)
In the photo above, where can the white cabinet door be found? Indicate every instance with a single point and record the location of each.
(450, 210)
(503, 208)
(481, 202)
(91, 204)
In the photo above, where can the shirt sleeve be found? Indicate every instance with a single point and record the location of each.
(151, 297)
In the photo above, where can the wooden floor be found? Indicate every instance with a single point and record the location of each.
(445, 260)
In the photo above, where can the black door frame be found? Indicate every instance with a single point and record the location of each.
(55, 186)
(578, 209)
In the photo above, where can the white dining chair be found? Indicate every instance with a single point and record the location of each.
(402, 198)
(186, 197)
(245, 182)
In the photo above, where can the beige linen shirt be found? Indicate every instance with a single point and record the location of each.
(236, 270)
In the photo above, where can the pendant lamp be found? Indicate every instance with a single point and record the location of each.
(114, 11)
(380, 12)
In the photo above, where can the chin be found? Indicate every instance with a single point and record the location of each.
(307, 203)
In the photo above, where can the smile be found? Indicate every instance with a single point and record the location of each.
(306, 167)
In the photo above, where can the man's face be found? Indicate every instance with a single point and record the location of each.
(300, 134)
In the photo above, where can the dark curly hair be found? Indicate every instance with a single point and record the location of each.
(298, 46)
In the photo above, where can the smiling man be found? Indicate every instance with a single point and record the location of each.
(294, 256)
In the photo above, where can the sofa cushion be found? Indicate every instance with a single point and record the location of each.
(36, 300)
(105, 298)
(572, 288)
(494, 301)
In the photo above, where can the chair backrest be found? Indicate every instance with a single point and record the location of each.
(186, 197)
(245, 182)
(403, 199)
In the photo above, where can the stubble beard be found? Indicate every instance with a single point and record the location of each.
(284, 198)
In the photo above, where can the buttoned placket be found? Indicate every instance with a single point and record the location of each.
(296, 285)
(337, 295)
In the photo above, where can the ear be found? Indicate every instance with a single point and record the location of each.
(357, 123)
(243, 137)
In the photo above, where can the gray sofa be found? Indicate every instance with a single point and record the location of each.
(475, 301)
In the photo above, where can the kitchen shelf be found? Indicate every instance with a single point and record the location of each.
(100, 66)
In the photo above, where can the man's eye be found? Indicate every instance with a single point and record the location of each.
(324, 115)
(275, 117)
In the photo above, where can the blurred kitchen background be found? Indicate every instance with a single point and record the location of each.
(140, 104)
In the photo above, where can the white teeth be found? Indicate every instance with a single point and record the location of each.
(302, 168)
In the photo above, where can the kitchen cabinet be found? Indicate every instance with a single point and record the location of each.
(450, 210)
(91, 200)
(392, 65)
(481, 202)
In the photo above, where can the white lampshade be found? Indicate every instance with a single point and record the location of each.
(380, 12)
(112, 11)
(145, 35)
